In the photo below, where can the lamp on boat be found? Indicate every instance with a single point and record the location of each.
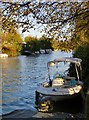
(51, 64)
(77, 88)
(71, 91)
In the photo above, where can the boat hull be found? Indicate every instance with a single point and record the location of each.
(57, 98)
(45, 102)
(59, 94)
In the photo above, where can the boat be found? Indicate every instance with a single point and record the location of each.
(59, 86)
(3, 55)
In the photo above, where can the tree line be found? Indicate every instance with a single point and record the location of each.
(12, 44)
(34, 44)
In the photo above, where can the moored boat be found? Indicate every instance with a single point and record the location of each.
(59, 86)
(3, 55)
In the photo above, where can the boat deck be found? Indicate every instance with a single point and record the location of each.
(52, 91)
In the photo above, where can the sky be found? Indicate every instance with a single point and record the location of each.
(32, 32)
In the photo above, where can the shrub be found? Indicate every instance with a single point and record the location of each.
(82, 52)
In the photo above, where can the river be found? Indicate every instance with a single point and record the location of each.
(20, 77)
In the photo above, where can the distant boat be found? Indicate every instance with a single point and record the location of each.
(47, 51)
(26, 52)
(60, 87)
(3, 55)
(56, 50)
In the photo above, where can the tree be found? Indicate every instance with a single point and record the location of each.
(53, 17)
(11, 43)
(81, 34)
(33, 44)
(46, 43)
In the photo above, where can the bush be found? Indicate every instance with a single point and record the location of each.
(82, 52)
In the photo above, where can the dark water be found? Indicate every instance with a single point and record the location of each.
(20, 77)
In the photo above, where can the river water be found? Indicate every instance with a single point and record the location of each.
(20, 77)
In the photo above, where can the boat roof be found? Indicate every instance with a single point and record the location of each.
(65, 59)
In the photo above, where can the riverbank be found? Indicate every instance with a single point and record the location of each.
(87, 105)
(60, 114)
(21, 114)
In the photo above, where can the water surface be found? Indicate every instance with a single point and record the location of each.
(20, 77)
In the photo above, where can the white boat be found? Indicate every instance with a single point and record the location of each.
(59, 86)
(3, 55)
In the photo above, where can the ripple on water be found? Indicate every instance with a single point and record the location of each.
(20, 77)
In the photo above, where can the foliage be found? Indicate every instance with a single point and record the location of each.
(34, 44)
(83, 53)
(80, 44)
(46, 43)
(52, 17)
(81, 34)
(11, 43)
(57, 19)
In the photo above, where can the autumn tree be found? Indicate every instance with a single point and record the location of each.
(11, 43)
(53, 17)
(59, 19)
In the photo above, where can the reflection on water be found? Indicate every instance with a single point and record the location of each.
(20, 76)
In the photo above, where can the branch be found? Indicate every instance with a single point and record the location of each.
(15, 3)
